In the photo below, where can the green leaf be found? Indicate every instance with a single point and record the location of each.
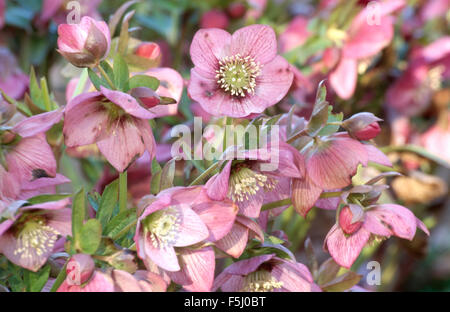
(115, 19)
(90, 236)
(121, 74)
(35, 281)
(20, 106)
(327, 272)
(122, 221)
(96, 80)
(110, 198)
(78, 215)
(35, 90)
(155, 184)
(39, 199)
(330, 129)
(320, 111)
(167, 175)
(124, 34)
(143, 81)
(342, 282)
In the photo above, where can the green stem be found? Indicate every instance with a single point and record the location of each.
(288, 201)
(47, 101)
(60, 278)
(205, 174)
(105, 75)
(297, 135)
(81, 83)
(123, 191)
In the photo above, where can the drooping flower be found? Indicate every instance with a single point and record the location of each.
(357, 227)
(266, 273)
(12, 80)
(240, 74)
(330, 163)
(180, 217)
(28, 233)
(248, 183)
(84, 44)
(115, 121)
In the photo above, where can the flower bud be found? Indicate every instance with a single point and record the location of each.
(214, 19)
(84, 44)
(149, 50)
(236, 9)
(347, 216)
(79, 269)
(362, 126)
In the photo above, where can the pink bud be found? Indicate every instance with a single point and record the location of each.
(362, 126)
(149, 50)
(79, 269)
(84, 44)
(346, 221)
(236, 9)
(214, 19)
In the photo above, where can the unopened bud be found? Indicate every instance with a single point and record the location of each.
(362, 126)
(347, 218)
(149, 50)
(79, 269)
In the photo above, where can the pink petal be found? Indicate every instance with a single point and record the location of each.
(85, 120)
(256, 41)
(217, 186)
(207, 47)
(165, 258)
(125, 282)
(100, 282)
(377, 156)
(197, 270)
(192, 229)
(343, 78)
(32, 159)
(245, 267)
(71, 37)
(127, 103)
(332, 164)
(345, 249)
(9, 184)
(38, 123)
(235, 241)
(304, 195)
(290, 277)
(124, 144)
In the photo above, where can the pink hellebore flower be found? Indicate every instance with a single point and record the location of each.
(175, 219)
(247, 183)
(240, 74)
(362, 126)
(360, 41)
(357, 227)
(28, 233)
(115, 121)
(84, 44)
(12, 80)
(329, 164)
(266, 273)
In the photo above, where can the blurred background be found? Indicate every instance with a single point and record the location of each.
(403, 78)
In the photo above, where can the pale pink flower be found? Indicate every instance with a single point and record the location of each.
(249, 184)
(266, 273)
(115, 121)
(240, 74)
(180, 217)
(84, 44)
(12, 80)
(357, 227)
(362, 40)
(28, 233)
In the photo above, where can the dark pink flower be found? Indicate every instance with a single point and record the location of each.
(240, 74)
(149, 50)
(236, 9)
(362, 126)
(12, 80)
(249, 184)
(214, 19)
(84, 44)
(180, 217)
(28, 233)
(115, 121)
(357, 227)
(266, 273)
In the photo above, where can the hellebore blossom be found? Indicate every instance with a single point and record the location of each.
(356, 227)
(248, 184)
(330, 162)
(115, 121)
(266, 273)
(237, 75)
(28, 233)
(84, 44)
(179, 217)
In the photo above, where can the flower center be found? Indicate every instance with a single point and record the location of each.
(261, 281)
(35, 238)
(245, 182)
(237, 74)
(163, 227)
